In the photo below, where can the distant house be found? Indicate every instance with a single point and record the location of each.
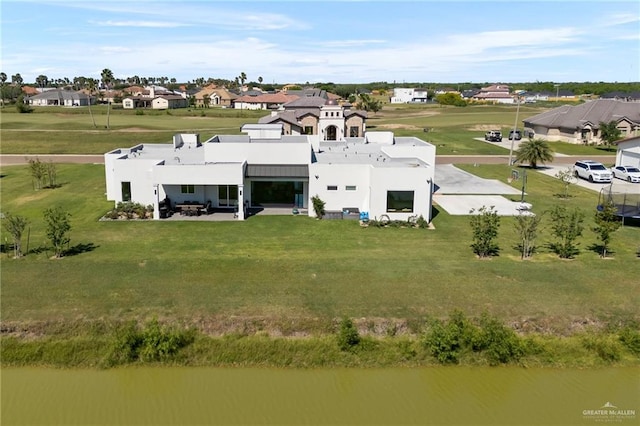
(497, 93)
(628, 152)
(156, 97)
(622, 96)
(318, 116)
(581, 123)
(60, 97)
(404, 95)
(218, 96)
(263, 101)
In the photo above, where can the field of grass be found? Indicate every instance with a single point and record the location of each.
(56, 130)
(299, 274)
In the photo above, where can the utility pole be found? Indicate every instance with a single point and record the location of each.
(515, 127)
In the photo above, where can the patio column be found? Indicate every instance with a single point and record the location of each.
(156, 203)
(240, 202)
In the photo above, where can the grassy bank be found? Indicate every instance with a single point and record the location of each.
(101, 345)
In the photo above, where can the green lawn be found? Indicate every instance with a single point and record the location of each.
(297, 270)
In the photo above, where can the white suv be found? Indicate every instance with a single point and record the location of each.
(592, 171)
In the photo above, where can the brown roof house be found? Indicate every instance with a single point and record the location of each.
(496, 93)
(218, 96)
(581, 123)
(156, 97)
(263, 101)
(315, 115)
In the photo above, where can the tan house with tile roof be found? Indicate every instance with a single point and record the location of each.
(581, 123)
(218, 96)
(318, 116)
(264, 101)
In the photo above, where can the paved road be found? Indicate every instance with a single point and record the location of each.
(10, 159)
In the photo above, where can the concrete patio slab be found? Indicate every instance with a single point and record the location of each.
(461, 205)
(452, 180)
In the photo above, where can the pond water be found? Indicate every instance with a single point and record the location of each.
(442, 395)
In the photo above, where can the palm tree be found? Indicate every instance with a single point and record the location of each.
(534, 151)
(3, 79)
(107, 79)
(90, 83)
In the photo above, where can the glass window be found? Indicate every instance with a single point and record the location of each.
(126, 191)
(188, 189)
(354, 131)
(332, 187)
(308, 130)
(400, 201)
(350, 188)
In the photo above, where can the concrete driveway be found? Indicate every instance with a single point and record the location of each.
(458, 192)
(617, 185)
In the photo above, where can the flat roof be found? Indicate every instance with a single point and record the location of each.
(356, 151)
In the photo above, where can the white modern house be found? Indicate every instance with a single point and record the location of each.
(403, 95)
(377, 174)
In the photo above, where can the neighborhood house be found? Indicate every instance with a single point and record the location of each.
(374, 174)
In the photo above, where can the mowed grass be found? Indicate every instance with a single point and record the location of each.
(296, 269)
(57, 130)
(70, 131)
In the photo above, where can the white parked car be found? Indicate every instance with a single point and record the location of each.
(592, 171)
(628, 173)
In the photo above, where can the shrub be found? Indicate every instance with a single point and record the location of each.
(139, 112)
(318, 206)
(443, 342)
(501, 344)
(446, 341)
(153, 343)
(348, 337)
(605, 347)
(630, 337)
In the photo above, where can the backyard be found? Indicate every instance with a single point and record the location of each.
(291, 276)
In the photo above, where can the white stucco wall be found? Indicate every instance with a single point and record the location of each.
(323, 175)
(259, 153)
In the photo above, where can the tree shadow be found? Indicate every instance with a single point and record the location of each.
(598, 248)
(80, 248)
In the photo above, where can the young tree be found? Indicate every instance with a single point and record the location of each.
(534, 151)
(606, 224)
(58, 227)
(527, 229)
(485, 224)
(38, 172)
(348, 336)
(609, 133)
(567, 177)
(318, 206)
(567, 227)
(15, 225)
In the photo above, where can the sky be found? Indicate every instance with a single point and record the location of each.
(330, 41)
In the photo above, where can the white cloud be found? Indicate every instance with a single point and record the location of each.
(139, 24)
